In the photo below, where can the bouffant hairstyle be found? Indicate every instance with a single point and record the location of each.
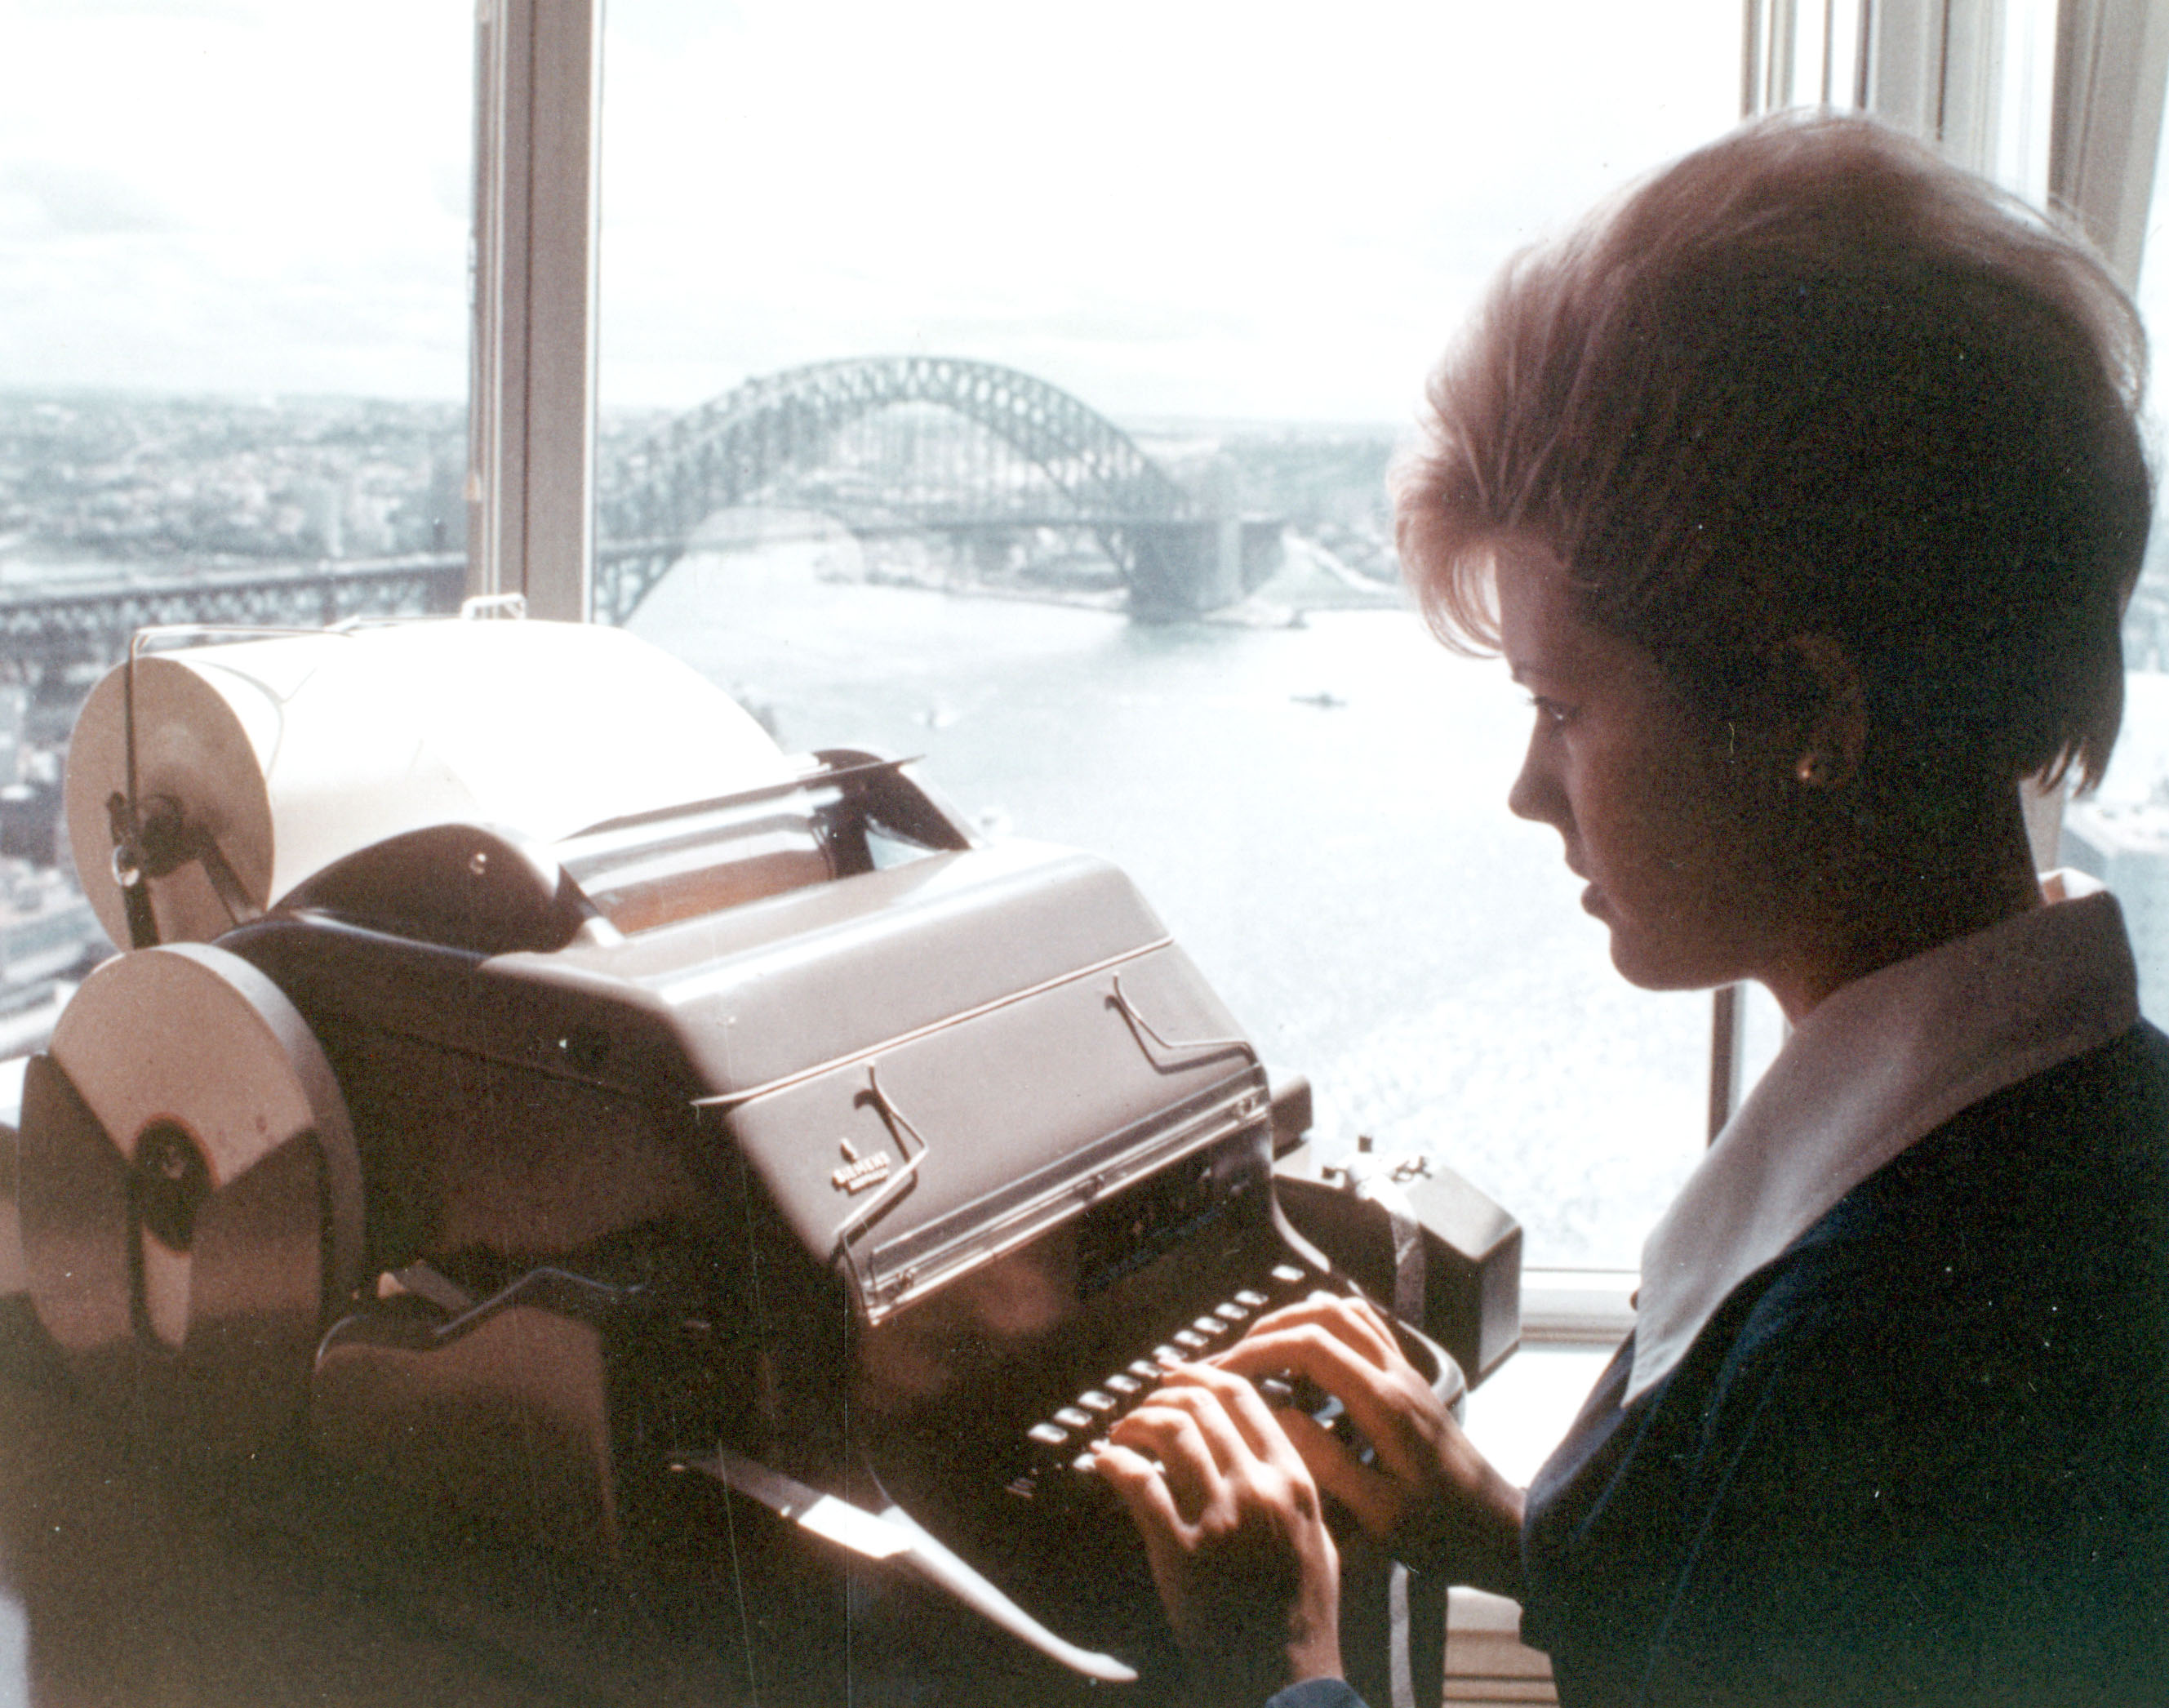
(1812, 380)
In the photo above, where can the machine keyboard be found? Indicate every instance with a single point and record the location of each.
(1059, 1449)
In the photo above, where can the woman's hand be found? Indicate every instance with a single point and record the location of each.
(1235, 1533)
(1429, 1497)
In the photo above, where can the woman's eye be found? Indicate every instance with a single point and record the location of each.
(1550, 713)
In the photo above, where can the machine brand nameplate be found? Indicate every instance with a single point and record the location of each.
(859, 1172)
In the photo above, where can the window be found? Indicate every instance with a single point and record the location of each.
(2121, 835)
(232, 252)
(1237, 237)
(1241, 238)
(1228, 239)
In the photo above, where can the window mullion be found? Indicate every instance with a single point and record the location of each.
(531, 464)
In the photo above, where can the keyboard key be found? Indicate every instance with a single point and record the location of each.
(1146, 1371)
(1231, 1312)
(1209, 1326)
(1084, 1465)
(1071, 1418)
(1047, 1434)
(1124, 1385)
(1189, 1340)
(1092, 1400)
(1167, 1354)
(1250, 1301)
(1288, 1275)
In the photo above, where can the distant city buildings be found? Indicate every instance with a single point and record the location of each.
(220, 481)
(214, 481)
(96, 485)
(93, 484)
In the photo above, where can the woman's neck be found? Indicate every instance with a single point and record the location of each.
(1915, 880)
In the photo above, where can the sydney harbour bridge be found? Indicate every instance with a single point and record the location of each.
(927, 446)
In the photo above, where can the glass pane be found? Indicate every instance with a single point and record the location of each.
(1241, 238)
(233, 252)
(2121, 835)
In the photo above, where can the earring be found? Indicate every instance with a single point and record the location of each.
(1812, 770)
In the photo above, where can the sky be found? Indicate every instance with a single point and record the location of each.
(234, 197)
(1225, 208)
(1216, 209)
(1171, 207)
(1259, 209)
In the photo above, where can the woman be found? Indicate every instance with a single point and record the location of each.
(1802, 489)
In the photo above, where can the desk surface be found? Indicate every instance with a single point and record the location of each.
(142, 1582)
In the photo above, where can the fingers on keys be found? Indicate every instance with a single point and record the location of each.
(1355, 1321)
(1142, 1484)
(1207, 1430)
(1376, 1394)
(1364, 1491)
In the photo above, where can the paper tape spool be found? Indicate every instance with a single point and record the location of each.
(191, 1195)
(295, 752)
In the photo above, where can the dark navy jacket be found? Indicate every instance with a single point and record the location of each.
(1920, 1457)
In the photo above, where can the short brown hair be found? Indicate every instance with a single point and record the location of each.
(1811, 379)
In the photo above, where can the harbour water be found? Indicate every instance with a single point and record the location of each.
(1317, 812)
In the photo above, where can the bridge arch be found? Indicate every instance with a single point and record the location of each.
(737, 448)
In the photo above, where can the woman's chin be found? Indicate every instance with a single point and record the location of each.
(1635, 968)
(1658, 966)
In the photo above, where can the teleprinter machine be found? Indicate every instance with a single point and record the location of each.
(531, 1088)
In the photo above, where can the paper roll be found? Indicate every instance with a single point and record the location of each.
(188, 1290)
(294, 752)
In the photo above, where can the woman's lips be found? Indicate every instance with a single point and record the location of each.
(1593, 897)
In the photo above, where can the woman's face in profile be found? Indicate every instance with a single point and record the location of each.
(1673, 817)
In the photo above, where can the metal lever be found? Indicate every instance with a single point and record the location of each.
(154, 841)
(1121, 1002)
(893, 1536)
(1368, 1175)
(483, 607)
(149, 839)
(900, 1125)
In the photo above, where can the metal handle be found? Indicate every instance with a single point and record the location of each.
(133, 858)
(900, 1125)
(485, 606)
(893, 1537)
(1121, 1002)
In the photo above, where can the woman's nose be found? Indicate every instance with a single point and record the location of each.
(1536, 793)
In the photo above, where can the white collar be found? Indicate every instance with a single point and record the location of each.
(1877, 1065)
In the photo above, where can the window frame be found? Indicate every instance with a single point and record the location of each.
(1963, 73)
(533, 298)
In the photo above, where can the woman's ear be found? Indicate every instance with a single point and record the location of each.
(1831, 710)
